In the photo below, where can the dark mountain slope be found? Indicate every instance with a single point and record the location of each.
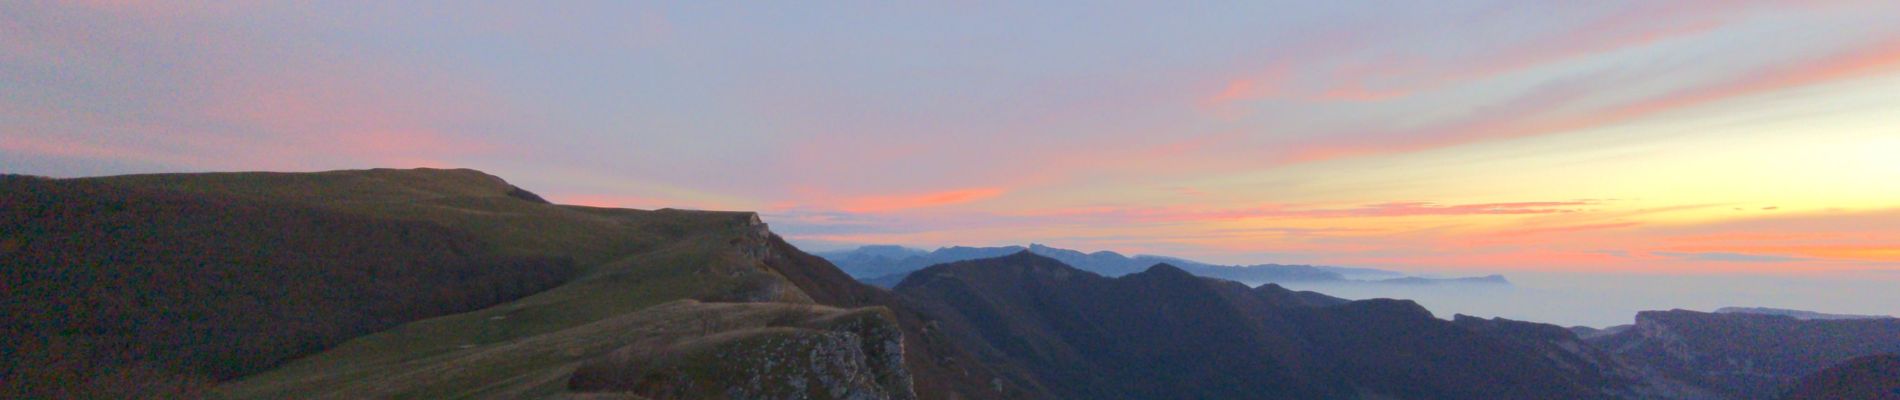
(338, 238)
(1161, 333)
(1589, 363)
(1866, 378)
(942, 369)
(115, 291)
(1396, 348)
(1747, 356)
(1164, 333)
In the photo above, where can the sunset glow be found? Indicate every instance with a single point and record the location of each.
(1653, 137)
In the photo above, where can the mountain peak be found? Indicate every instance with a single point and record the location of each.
(1024, 255)
(1014, 266)
(1166, 269)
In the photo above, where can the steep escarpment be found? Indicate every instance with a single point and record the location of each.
(943, 370)
(468, 287)
(1747, 356)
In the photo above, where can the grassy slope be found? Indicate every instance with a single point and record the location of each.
(112, 291)
(631, 260)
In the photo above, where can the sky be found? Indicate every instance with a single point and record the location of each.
(1652, 137)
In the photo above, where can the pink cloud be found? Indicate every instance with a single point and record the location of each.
(880, 204)
(1878, 58)
(1364, 73)
(614, 201)
(1395, 209)
(236, 101)
(1245, 89)
(1358, 92)
(1544, 111)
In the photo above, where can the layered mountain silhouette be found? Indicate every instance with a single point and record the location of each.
(886, 265)
(431, 283)
(1165, 333)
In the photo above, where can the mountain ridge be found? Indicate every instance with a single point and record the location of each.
(634, 269)
(886, 265)
(1074, 328)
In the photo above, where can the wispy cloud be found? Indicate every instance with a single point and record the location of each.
(889, 203)
(1379, 210)
(1729, 257)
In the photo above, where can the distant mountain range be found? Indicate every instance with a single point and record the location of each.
(1796, 314)
(886, 265)
(1165, 333)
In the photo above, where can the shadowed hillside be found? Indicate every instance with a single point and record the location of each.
(1164, 333)
(115, 291)
(617, 268)
(1868, 378)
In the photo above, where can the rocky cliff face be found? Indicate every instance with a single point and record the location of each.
(1611, 374)
(941, 370)
(759, 351)
(1746, 356)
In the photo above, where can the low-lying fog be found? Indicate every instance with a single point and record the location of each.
(1606, 299)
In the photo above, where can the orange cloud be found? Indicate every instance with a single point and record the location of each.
(878, 204)
(1516, 233)
(1842, 252)
(1396, 209)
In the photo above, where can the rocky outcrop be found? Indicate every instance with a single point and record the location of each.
(1609, 373)
(1746, 356)
(761, 351)
(941, 369)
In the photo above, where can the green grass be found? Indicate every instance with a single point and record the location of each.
(535, 366)
(632, 261)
